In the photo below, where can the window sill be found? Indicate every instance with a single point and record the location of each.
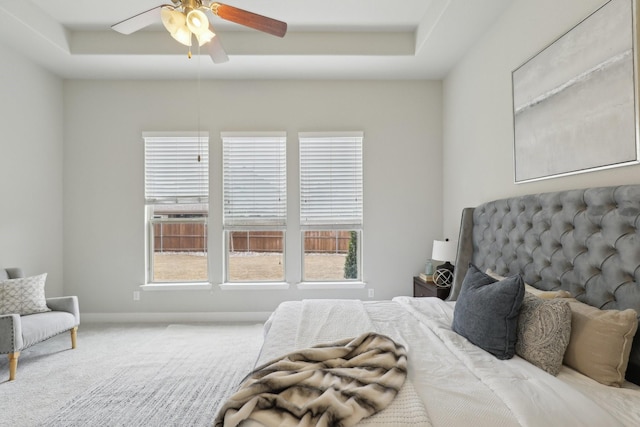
(254, 286)
(331, 285)
(195, 286)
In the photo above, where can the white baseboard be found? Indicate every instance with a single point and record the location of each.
(257, 316)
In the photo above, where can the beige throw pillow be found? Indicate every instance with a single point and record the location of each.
(600, 342)
(23, 296)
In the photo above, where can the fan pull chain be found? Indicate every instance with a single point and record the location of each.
(199, 105)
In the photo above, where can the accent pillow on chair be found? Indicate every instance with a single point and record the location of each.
(23, 296)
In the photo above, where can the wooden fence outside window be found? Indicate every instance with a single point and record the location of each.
(192, 237)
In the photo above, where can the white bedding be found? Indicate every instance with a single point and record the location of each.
(451, 382)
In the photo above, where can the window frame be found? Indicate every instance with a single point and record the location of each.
(199, 197)
(341, 221)
(277, 222)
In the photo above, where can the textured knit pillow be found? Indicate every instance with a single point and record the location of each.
(486, 312)
(544, 329)
(23, 296)
(600, 342)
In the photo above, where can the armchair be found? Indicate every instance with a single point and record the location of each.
(18, 332)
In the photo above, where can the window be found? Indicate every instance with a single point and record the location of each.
(255, 206)
(331, 206)
(177, 206)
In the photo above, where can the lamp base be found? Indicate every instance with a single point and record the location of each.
(443, 276)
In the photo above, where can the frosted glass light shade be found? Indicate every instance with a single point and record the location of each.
(205, 37)
(176, 23)
(172, 19)
(182, 35)
(197, 22)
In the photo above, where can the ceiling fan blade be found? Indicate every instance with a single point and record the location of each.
(216, 51)
(250, 19)
(139, 21)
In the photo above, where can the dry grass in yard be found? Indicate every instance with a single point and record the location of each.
(252, 266)
(324, 266)
(171, 266)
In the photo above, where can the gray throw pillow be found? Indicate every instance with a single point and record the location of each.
(486, 312)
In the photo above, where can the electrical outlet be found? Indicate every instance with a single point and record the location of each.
(136, 295)
(371, 293)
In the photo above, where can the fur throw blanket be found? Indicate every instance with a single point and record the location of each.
(335, 384)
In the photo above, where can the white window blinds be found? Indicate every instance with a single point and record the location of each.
(173, 173)
(254, 174)
(331, 178)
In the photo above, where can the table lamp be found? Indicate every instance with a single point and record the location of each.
(444, 251)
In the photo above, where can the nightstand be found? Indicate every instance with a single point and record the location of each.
(428, 289)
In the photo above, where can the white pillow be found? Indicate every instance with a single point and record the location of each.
(533, 290)
(23, 296)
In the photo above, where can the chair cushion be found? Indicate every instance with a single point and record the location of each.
(41, 326)
(23, 296)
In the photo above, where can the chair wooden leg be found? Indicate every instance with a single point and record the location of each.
(74, 337)
(13, 364)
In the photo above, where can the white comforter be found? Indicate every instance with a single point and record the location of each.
(451, 382)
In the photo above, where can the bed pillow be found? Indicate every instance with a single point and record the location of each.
(23, 296)
(535, 291)
(600, 342)
(544, 330)
(486, 311)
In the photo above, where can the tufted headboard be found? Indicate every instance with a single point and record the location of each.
(584, 241)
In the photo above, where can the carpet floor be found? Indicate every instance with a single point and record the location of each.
(129, 375)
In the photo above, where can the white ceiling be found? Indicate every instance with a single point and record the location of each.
(326, 39)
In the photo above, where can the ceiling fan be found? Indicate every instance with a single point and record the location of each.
(187, 18)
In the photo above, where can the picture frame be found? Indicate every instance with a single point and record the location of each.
(575, 103)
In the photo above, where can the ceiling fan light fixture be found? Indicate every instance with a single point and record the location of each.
(172, 19)
(182, 35)
(176, 24)
(186, 18)
(197, 22)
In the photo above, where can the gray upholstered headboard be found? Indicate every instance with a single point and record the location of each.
(584, 241)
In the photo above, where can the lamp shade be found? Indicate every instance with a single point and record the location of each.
(197, 22)
(205, 37)
(172, 19)
(182, 35)
(175, 22)
(444, 250)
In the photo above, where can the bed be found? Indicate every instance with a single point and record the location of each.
(577, 251)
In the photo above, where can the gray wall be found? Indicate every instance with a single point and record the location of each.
(477, 105)
(31, 120)
(103, 175)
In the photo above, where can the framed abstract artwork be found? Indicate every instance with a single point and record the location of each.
(575, 102)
